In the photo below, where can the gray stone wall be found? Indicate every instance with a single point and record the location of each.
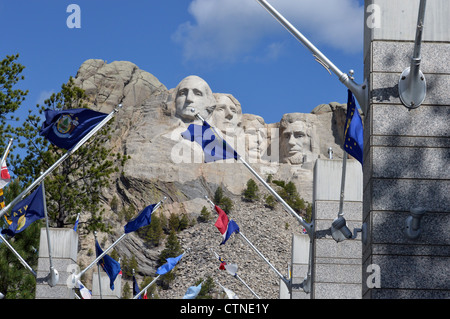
(106, 292)
(64, 244)
(336, 265)
(407, 155)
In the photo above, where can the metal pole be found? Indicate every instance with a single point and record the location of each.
(245, 284)
(5, 154)
(59, 161)
(359, 90)
(22, 261)
(99, 273)
(419, 29)
(412, 84)
(146, 287)
(235, 274)
(308, 226)
(341, 199)
(264, 258)
(74, 277)
(78, 276)
(53, 276)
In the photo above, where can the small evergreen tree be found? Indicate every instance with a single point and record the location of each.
(222, 201)
(251, 192)
(205, 215)
(173, 249)
(270, 201)
(207, 288)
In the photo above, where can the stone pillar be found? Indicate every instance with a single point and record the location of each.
(406, 153)
(107, 293)
(336, 265)
(299, 265)
(64, 245)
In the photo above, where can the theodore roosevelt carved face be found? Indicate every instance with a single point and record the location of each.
(193, 93)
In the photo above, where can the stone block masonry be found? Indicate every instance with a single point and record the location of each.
(407, 154)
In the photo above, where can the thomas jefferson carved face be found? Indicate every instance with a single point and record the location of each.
(193, 92)
(226, 116)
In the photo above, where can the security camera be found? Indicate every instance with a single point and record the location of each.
(412, 223)
(2, 296)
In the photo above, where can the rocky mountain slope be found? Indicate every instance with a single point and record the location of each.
(147, 129)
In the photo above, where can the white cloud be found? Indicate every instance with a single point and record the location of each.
(227, 30)
(44, 95)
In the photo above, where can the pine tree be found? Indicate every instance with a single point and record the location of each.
(75, 186)
(10, 98)
(224, 202)
(173, 249)
(205, 215)
(207, 288)
(251, 192)
(16, 282)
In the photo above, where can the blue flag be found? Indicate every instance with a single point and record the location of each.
(143, 219)
(109, 265)
(75, 227)
(169, 265)
(136, 288)
(192, 292)
(353, 135)
(232, 227)
(66, 128)
(26, 212)
(214, 147)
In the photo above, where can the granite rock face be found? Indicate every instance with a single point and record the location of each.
(148, 129)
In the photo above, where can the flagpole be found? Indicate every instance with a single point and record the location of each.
(146, 287)
(5, 154)
(53, 276)
(75, 277)
(257, 251)
(98, 270)
(245, 284)
(286, 281)
(359, 90)
(308, 226)
(60, 160)
(341, 198)
(239, 278)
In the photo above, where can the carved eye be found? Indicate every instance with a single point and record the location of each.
(182, 92)
(198, 93)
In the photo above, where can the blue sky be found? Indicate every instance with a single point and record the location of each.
(235, 45)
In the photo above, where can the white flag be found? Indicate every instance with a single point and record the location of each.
(85, 293)
(230, 294)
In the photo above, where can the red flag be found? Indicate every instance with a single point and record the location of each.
(222, 220)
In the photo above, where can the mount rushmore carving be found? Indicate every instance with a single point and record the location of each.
(149, 126)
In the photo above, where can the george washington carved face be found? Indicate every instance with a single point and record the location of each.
(193, 93)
